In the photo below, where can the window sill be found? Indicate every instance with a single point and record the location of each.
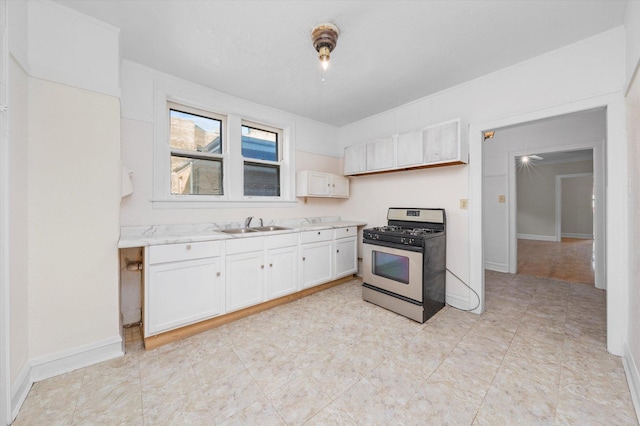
(218, 204)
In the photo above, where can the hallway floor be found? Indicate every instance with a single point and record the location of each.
(536, 356)
(572, 259)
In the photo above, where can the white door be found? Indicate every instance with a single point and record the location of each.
(355, 159)
(346, 258)
(244, 280)
(340, 186)
(182, 293)
(319, 183)
(380, 154)
(410, 150)
(315, 265)
(441, 143)
(282, 271)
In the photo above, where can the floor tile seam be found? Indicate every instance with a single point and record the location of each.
(267, 395)
(75, 406)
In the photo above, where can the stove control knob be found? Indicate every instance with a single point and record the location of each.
(403, 240)
(412, 240)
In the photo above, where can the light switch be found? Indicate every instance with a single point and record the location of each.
(464, 203)
(502, 199)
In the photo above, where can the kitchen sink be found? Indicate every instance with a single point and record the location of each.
(270, 228)
(256, 229)
(238, 230)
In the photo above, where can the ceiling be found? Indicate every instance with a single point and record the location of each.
(388, 53)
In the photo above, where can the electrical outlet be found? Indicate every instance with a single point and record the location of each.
(464, 203)
(502, 199)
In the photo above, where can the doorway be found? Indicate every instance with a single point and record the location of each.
(555, 214)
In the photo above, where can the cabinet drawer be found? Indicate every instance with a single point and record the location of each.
(351, 231)
(244, 245)
(314, 236)
(284, 240)
(185, 251)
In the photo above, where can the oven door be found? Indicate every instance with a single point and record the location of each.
(395, 270)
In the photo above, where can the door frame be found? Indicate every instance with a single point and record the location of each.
(616, 272)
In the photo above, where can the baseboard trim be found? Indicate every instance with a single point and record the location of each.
(458, 301)
(633, 377)
(59, 363)
(20, 389)
(579, 236)
(78, 357)
(495, 266)
(537, 237)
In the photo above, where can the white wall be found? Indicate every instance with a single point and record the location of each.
(64, 143)
(317, 148)
(74, 159)
(576, 207)
(632, 40)
(536, 200)
(632, 349)
(588, 68)
(19, 276)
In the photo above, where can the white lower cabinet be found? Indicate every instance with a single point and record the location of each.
(346, 258)
(188, 283)
(181, 293)
(282, 265)
(245, 280)
(315, 265)
(282, 271)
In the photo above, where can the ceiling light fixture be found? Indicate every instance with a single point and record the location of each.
(324, 38)
(489, 134)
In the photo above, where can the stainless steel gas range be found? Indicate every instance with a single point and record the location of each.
(405, 263)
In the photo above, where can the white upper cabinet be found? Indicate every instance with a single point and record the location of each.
(442, 142)
(380, 154)
(410, 149)
(432, 146)
(320, 184)
(355, 159)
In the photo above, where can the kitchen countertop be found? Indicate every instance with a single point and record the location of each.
(141, 236)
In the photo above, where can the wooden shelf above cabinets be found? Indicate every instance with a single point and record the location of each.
(434, 146)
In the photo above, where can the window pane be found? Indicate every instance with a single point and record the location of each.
(191, 176)
(261, 179)
(259, 144)
(195, 133)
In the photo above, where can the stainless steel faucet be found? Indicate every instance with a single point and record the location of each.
(261, 224)
(247, 221)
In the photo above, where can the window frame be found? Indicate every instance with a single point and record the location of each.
(236, 113)
(274, 164)
(198, 155)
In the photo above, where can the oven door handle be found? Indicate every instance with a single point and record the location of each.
(392, 245)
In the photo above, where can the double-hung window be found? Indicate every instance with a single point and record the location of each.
(262, 157)
(196, 140)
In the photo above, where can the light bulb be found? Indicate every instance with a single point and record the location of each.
(524, 159)
(325, 63)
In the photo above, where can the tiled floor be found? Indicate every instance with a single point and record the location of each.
(536, 356)
(569, 260)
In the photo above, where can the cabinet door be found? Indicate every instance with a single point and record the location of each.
(245, 280)
(315, 265)
(410, 150)
(340, 186)
(380, 154)
(319, 183)
(345, 257)
(441, 142)
(282, 271)
(181, 293)
(355, 159)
